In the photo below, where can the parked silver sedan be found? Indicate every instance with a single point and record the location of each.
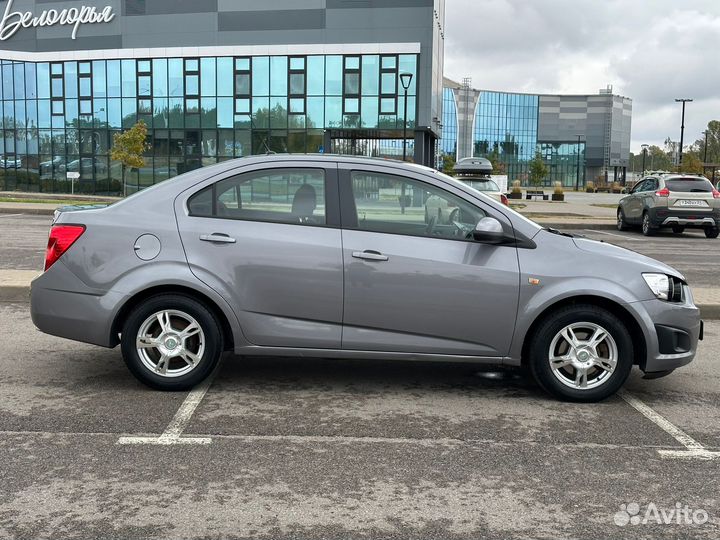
(318, 256)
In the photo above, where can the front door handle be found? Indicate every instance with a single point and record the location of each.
(217, 238)
(370, 255)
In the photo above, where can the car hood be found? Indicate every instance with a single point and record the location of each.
(610, 250)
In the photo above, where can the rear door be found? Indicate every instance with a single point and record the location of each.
(268, 240)
(420, 286)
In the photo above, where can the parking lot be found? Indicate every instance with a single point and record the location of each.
(307, 448)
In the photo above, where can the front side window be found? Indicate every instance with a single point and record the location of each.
(295, 196)
(397, 205)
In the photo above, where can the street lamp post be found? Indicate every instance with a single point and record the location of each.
(577, 166)
(405, 80)
(644, 152)
(682, 127)
(705, 151)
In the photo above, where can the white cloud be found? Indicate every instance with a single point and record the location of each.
(650, 50)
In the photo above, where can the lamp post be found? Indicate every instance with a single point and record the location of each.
(644, 152)
(682, 127)
(405, 80)
(705, 151)
(577, 165)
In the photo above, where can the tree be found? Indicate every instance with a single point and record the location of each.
(497, 163)
(128, 148)
(538, 170)
(691, 163)
(448, 162)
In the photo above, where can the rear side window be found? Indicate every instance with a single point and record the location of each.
(279, 195)
(689, 185)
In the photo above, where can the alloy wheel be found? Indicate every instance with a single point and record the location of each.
(170, 343)
(583, 355)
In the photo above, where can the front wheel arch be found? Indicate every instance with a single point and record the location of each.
(638, 337)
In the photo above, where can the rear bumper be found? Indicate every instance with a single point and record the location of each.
(61, 305)
(672, 333)
(690, 217)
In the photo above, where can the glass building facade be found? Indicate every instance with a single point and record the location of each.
(580, 137)
(506, 127)
(60, 117)
(448, 143)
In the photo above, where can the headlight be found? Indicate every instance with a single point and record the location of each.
(665, 287)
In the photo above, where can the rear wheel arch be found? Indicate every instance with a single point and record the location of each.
(638, 337)
(140, 297)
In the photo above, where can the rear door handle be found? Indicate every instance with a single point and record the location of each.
(217, 238)
(370, 255)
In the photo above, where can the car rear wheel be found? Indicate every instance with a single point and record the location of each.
(712, 232)
(171, 342)
(678, 229)
(647, 227)
(581, 353)
(621, 223)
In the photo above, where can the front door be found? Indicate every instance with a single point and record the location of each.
(413, 281)
(268, 241)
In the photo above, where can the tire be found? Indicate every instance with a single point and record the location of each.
(621, 222)
(712, 232)
(562, 381)
(647, 227)
(186, 360)
(678, 229)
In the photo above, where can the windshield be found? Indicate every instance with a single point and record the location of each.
(689, 185)
(481, 185)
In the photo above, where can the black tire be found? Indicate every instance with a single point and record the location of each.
(213, 341)
(712, 232)
(621, 222)
(678, 229)
(541, 340)
(647, 226)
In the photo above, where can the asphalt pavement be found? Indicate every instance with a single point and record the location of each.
(312, 449)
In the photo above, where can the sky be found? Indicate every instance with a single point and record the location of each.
(652, 51)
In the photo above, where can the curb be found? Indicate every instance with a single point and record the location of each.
(31, 211)
(578, 225)
(21, 294)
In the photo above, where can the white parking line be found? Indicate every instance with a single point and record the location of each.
(694, 450)
(10, 215)
(172, 434)
(614, 234)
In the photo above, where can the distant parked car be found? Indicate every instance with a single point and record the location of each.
(11, 163)
(57, 162)
(473, 172)
(672, 200)
(86, 166)
(210, 261)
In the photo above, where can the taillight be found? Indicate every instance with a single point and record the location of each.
(716, 194)
(664, 192)
(60, 240)
(504, 199)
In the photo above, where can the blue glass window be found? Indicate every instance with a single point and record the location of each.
(261, 76)
(225, 76)
(278, 75)
(159, 77)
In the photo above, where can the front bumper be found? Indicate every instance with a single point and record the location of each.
(672, 332)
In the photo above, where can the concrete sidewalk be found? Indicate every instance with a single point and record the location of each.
(15, 287)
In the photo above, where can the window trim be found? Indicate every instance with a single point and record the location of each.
(332, 194)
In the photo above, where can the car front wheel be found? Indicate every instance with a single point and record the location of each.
(581, 353)
(621, 223)
(171, 342)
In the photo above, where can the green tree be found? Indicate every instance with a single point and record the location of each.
(497, 163)
(448, 162)
(128, 148)
(538, 170)
(691, 163)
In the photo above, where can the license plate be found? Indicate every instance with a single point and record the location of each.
(685, 202)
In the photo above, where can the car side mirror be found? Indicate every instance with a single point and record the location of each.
(489, 231)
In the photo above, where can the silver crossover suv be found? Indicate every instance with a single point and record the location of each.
(330, 256)
(671, 200)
